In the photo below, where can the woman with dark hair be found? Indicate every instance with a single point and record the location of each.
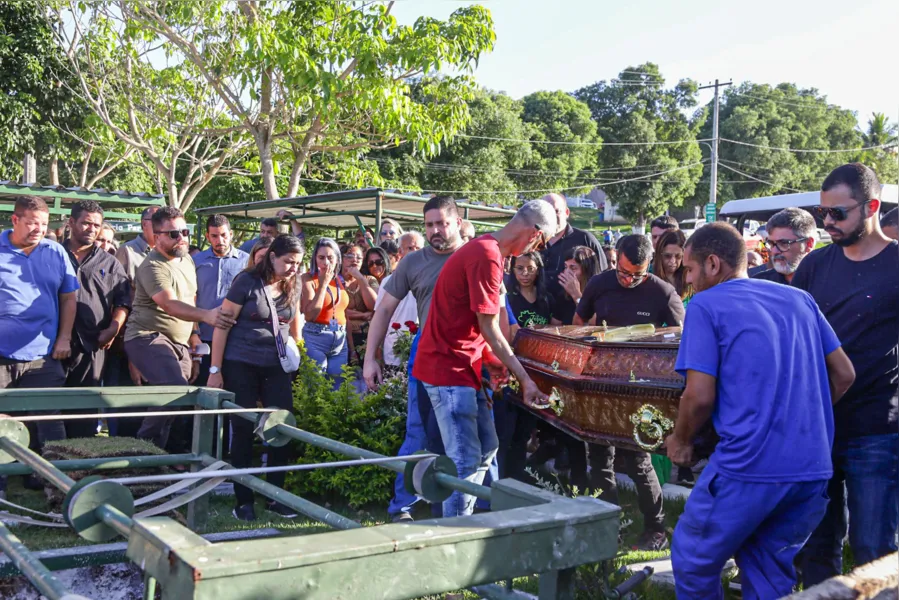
(581, 263)
(527, 295)
(392, 249)
(376, 263)
(245, 358)
(362, 290)
(324, 302)
(257, 253)
(668, 263)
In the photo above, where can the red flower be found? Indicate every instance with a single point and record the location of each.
(410, 324)
(396, 326)
(413, 328)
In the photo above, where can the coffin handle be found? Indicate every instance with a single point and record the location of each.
(650, 426)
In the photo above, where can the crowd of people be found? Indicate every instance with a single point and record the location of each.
(796, 366)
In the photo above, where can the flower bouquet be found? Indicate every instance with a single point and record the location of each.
(402, 344)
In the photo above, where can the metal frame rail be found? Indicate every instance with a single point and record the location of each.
(528, 531)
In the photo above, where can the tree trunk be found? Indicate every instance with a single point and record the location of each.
(54, 168)
(267, 164)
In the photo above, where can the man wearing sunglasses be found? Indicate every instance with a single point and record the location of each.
(164, 315)
(631, 295)
(855, 282)
(791, 236)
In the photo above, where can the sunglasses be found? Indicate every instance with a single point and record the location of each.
(175, 233)
(376, 263)
(837, 213)
(783, 245)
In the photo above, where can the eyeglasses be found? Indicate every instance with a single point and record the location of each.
(376, 263)
(526, 270)
(783, 245)
(175, 233)
(543, 242)
(632, 276)
(837, 213)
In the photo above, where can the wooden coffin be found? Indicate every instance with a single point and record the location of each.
(623, 393)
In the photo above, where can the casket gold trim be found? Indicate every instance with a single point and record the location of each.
(649, 421)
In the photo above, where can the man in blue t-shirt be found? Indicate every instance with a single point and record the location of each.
(761, 361)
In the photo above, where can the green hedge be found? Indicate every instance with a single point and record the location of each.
(375, 421)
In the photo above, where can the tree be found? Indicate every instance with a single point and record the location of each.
(33, 101)
(759, 121)
(308, 78)
(479, 167)
(881, 132)
(637, 109)
(564, 121)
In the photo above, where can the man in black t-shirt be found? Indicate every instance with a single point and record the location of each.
(791, 236)
(631, 295)
(855, 282)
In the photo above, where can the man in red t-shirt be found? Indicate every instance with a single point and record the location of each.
(464, 321)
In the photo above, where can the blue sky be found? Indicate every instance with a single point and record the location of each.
(845, 49)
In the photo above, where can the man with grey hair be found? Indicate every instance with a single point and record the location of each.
(791, 236)
(133, 252)
(454, 345)
(410, 242)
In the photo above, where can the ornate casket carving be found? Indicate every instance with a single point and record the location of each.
(614, 386)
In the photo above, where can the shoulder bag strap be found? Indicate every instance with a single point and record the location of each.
(279, 341)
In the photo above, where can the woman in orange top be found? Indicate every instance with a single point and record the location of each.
(324, 301)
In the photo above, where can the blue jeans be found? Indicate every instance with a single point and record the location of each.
(864, 492)
(327, 348)
(469, 436)
(762, 525)
(402, 500)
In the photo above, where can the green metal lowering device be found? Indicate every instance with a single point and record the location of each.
(528, 531)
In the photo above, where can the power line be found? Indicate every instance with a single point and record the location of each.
(552, 142)
(579, 187)
(723, 166)
(813, 151)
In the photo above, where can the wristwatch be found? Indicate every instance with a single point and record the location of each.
(214, 370)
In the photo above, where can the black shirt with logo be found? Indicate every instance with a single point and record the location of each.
(860, 300)
(529, 314)
(653, 301)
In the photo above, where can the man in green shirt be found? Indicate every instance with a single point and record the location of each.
(164, 316)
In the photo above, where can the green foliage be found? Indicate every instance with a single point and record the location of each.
(374, 422)
(783, 116)
(881, 132)
(33, 100)
(638, 108)
(559, 117)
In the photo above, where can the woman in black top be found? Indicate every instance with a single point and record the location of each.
(581, 263)
(527, 291)
(245, 358)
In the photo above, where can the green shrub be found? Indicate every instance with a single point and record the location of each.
(375, 422)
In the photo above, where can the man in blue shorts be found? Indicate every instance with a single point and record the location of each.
(762, 362)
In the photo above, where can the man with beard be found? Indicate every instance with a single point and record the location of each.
(631, 295)
(855, 282)
(164, 315)
(763, 491)
(791, 236)
(104, 299)
(416, 273)
(217, 266)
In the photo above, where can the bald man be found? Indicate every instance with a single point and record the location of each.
(467, 231)
(410, 242)
(566, 238)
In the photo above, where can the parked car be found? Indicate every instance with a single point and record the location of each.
(689, 226)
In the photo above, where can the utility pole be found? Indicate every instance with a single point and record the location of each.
(713, 183)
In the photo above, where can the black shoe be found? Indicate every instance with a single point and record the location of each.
(245, 512)
(402, 517)
(33, 482)
(652, 541)
(281, 510)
